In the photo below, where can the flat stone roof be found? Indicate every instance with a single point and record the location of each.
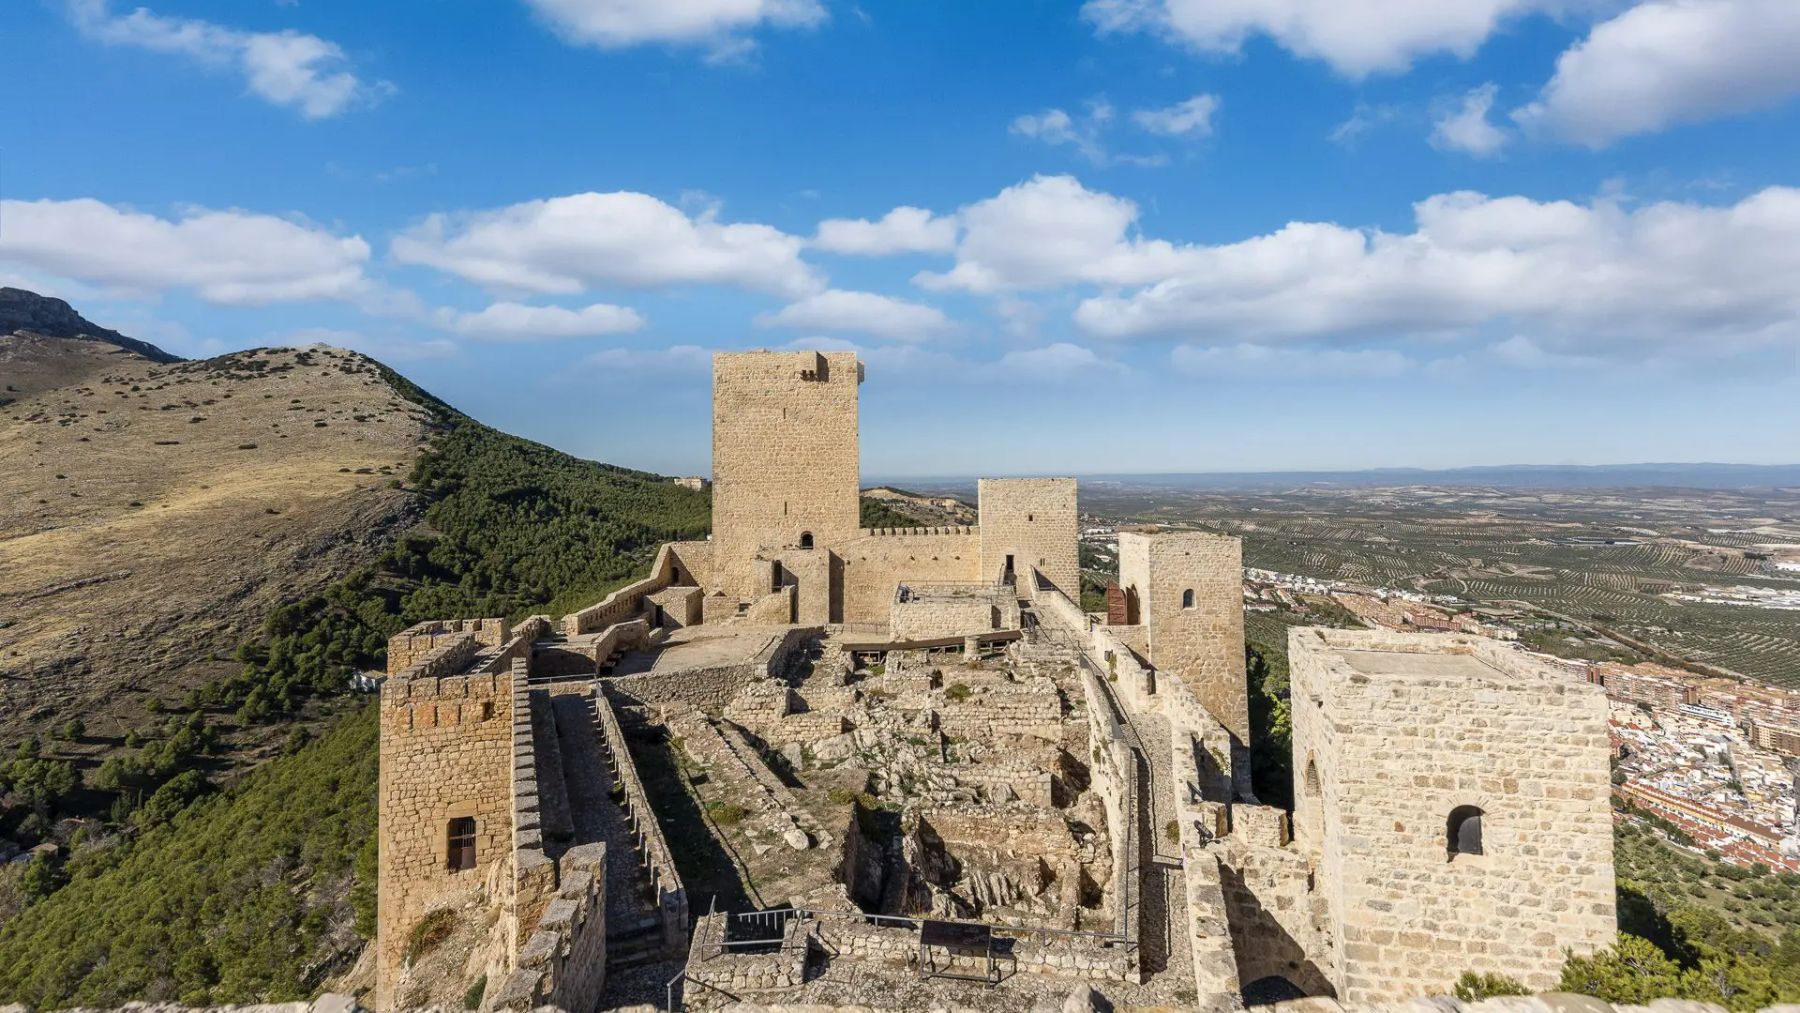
(1419, 663)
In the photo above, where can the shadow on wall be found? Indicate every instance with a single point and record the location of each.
(707, 871)
(1264, 948)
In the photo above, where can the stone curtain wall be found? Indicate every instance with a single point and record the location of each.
(1381, 761)
(411, 645)
(533, 872)
(671, 896)
(673, 565)
(563, 962)
(1202, 644)
(874, 565)
(785, 457)
(1114, 778)
(1033, 520)
(446, 751)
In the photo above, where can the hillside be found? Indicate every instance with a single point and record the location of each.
(205, 553)
(45, 344)
(159, 512)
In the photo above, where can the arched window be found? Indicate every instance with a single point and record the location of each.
(1462, 835)
(806, 539)
(1187, 598)
(1312, 778)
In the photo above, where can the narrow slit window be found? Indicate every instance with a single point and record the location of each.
(1187, 598)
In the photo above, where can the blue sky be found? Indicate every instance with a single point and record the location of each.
(1125, 235)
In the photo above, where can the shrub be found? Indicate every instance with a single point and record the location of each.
(958, 692)
(428, 932)
(726, 814)
(472, 998)
(1472, 986)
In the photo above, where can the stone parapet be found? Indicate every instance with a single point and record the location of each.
(534, 873)
(563, 962)
(653, 847)
(628, 601)
(411, 645)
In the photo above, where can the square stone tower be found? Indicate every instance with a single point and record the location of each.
(785, 465)
(444, 815)
(1031, 522)
(1452, 799)
(1187, 589)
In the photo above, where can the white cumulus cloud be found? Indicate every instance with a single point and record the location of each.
(225, 256)
(511, 321)
(1356, 37)
(292, 69)
(1670, 61)
(1190, 118)
(1051, 230)
(718, 24)
(1675, 274)
(563, 245)
(1465, 127)
(902, 230)
(861, 312)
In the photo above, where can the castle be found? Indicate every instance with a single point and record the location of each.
(807, 761)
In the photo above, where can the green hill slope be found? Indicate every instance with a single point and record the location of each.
(251, 894)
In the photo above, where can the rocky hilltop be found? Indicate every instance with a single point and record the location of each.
(157, 510)
(45, 344)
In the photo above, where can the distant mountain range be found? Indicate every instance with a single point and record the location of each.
(1509, 476)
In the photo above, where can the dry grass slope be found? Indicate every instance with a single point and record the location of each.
(156, 513)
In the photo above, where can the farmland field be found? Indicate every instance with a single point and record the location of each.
(1621, 562)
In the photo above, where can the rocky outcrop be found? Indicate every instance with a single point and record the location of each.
(21, 310)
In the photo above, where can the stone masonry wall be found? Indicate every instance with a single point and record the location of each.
(445, 752)
(1391, 732)
(411, 645)
(932, 612)
(533, 871)
(674, 564)
(875, 565)
(785, 457)
(1034, 520)
(563, 962)
(1202, 643)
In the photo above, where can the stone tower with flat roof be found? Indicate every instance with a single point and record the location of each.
(1452, 801)
(785, 465)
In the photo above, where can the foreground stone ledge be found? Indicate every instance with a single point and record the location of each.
(1080, 1000)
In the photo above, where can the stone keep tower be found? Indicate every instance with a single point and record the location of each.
(1452, 799)
(1188, 591)
(445, 806)
(785, 467)
(1031, 522)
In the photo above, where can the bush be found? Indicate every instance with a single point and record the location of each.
(428, 932)
(1472, 986)
(957, 692)
(726, 814)
(472, 998)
